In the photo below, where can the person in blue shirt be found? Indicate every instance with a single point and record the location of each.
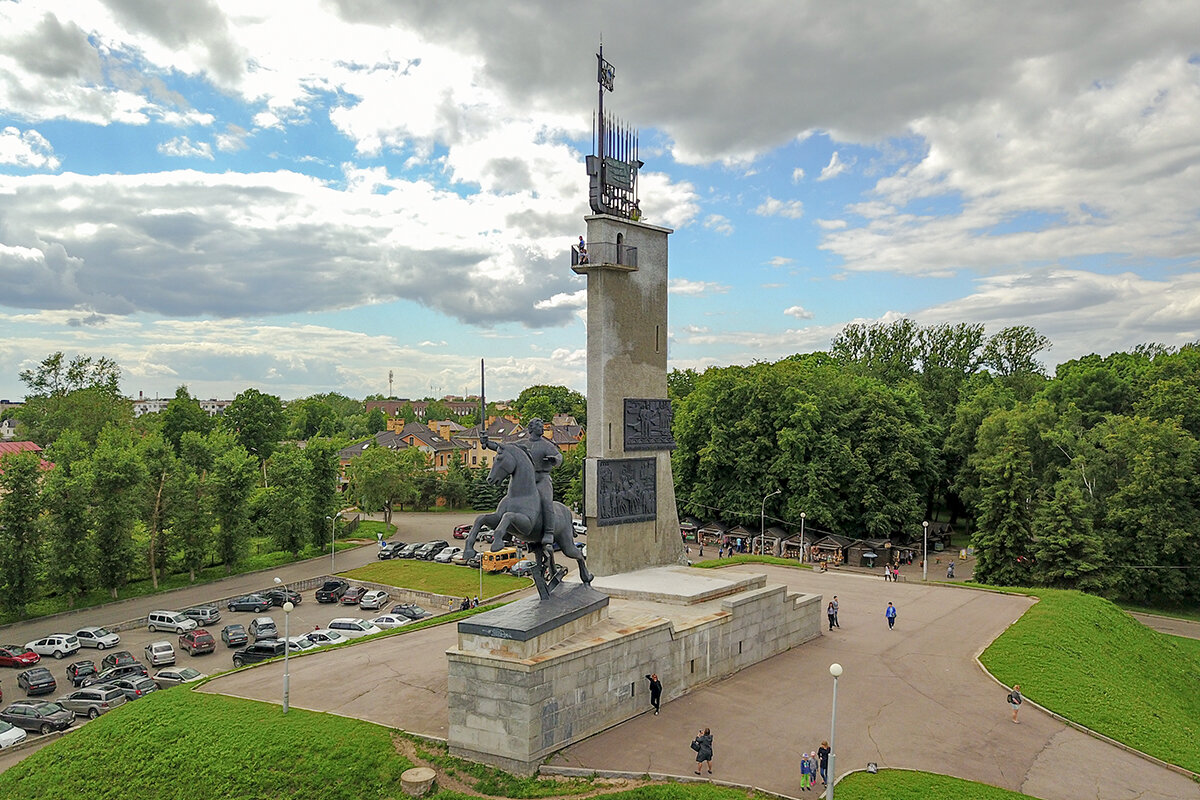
(891, 616)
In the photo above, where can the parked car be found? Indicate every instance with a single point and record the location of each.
(263, 628)
(197, 642)
(10, 734)
(135, 687)
(19, 656)
(410, 550)
(461, 531)
(323, 637)
(134, 670)
(387, 621)
(99, 638)
(353, 595)
(92, 701)
(331, 591)
(298, 644)
(431, 549)
(234, 635)
(278, 597)
(173, 676)
(204, 615)
(160, 654)
(353, 627)
(448, 555)
(389, 550)
(117, 659)
(523, 568)
(249, 602)
(38, 715)
(376, 599)
(259, 651)
(579, 528)
(79, 671)
(59, 645)
(410, 610)
(173, 621)
(38, 680)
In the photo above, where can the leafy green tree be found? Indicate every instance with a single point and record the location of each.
(484, 496)
(322, 486)
(537, 407)
(118, 481)
(55, 376)
(681, 383)
(88, 410)
(182, 414)
(376, 421)
(256, 420)
(191, 515)
(381, 478)
(161, 465)
(70, 552)
(20, 519)
(568, 478)
(231, 481)
(309, 417)
(1068, 552)
(287, 505)
(1003, 539)
(561, 400)
(887, 351)
(456, 484)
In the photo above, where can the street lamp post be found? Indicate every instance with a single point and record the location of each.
(287, 645)
(835, 670)
(803, 546)
(762, 521)
(332, 538)
(925, 557)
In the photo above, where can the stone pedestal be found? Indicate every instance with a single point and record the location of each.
(519, 691)
(417, 782)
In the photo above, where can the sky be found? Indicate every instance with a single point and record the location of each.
(304, 197)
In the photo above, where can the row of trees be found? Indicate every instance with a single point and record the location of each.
(1086, 479)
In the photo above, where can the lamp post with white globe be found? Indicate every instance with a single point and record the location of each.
(835, 670)
(287, 645)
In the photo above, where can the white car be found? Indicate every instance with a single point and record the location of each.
(390, 621)
(58, 645)
(10, 734)
(297, 644)
(99, 638)
(173, 676)
(353, 627)
(448, 555)
(374, 599)
(579, 528)
(322, 637)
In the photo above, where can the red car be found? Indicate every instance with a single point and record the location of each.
(353, 595)
(461, 531)
(19, 656)
(197, 642)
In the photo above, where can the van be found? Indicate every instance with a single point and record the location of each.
(204, 615)
(173, 621)
(499, 560)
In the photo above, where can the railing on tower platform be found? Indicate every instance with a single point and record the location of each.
(604, 253)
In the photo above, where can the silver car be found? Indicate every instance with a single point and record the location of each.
(92, 701)
(99, 638)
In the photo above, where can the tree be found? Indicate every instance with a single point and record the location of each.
(484, 496)
(256, 420)
(680, 383)
(376, 421)
(118, 479)
(54, 376)
(1012, 355)
(1068, 553)
(309, 417)
(182, 414)
(561, 399)
(161, 466)
(456, 484)
(537, 407)
(20, 518)
(66, 494)
(1003, 540)
(884, 350)
(88, 410)
(287, 504)
(231, 482)
(381, 478)
(322, 487)
(191, 516)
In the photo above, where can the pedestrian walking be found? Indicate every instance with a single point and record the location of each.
(655, 691)
(1015, 700)
(703, 745)
(891, 616)
(806, 772)
(829, 612)
(823, 762)
(836, 624)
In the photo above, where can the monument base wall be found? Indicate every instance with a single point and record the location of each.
(513, 706)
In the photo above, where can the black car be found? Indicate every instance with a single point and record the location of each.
(38, 715)
(234, 635)
(431, 549)
(410, 610)
(38, 680)
(134, 670)
(80, 671)
(409, 550)
(259, 651)
(120, 658)
(390, 550)
(277, 597)
(250, 602)
(332, 591)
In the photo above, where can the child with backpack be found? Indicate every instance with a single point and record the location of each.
(806, 772)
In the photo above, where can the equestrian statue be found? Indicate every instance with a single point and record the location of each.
(528, 513)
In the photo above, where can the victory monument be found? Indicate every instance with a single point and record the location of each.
(541, 673)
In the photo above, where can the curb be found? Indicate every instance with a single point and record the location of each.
(578, 772)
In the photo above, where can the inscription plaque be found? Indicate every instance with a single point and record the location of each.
(648, 424)
(626, 490)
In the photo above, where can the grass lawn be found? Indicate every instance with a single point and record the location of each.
(1083, 657)
(1178, 613)
(748, 559)
(370, 529)
(897, 784)
(427, 576)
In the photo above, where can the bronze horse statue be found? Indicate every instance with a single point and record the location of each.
(519, 517)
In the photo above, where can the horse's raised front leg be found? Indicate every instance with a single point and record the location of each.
(491, 519)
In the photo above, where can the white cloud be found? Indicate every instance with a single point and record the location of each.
(792, 209)
(799, 312)
(797, 175)
(26, 150)
(718, 224)
(684, 287)
(831, 224)
(834, 168)
(780, 261)
(183, 147)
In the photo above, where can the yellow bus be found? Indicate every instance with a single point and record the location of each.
(499, 560)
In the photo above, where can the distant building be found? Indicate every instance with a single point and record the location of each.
(147, 405)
